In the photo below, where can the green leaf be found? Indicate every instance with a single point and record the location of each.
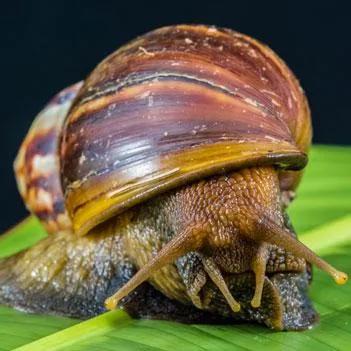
(325, 191)
(322, 216)
(24, 235)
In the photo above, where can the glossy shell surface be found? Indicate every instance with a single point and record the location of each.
(175, 105)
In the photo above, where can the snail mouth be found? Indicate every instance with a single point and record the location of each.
(241, 291)
(230, 284)
(284, 299)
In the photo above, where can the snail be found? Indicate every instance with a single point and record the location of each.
(163, 181)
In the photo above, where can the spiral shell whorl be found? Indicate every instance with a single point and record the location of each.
(37, 165)
(175, 105)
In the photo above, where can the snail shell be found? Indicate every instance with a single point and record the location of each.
(175, 105)
(37, 165)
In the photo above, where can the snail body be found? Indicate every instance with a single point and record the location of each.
(171, 164)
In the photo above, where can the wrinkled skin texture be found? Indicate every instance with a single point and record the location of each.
(70, 275)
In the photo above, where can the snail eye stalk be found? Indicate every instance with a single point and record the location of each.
(270, 232)
(188, 240)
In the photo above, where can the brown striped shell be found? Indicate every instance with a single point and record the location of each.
(175, 105)
(37, 165)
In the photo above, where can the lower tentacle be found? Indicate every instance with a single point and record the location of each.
(259, 268)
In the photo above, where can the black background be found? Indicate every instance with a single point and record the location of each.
(47, 45)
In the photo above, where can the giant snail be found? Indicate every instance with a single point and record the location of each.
(171, 165)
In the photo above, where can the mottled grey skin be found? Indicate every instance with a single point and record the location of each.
(72, 276)
(71, 294)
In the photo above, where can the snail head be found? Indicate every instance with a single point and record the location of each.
(240, 216)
